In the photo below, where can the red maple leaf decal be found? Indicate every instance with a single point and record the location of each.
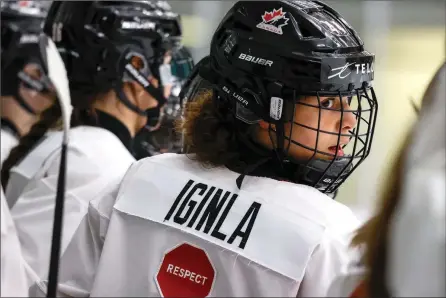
(268, 16)
(23, 3)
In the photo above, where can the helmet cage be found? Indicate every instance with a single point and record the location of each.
(325, 170)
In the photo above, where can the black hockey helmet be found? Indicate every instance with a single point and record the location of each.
(173, 30)
(105, 43)
(265, 56)
(21, 25)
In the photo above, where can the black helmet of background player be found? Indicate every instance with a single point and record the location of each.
(299, 71)
(121, 41)
(21, 25)
(173, 30)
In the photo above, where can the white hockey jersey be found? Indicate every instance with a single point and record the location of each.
(178, 229)
(8, 141)
(96, 161)
(14, 281)
(349, 284)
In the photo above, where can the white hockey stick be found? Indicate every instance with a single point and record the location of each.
(57, 74)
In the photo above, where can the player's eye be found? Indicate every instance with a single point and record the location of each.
(327, 103)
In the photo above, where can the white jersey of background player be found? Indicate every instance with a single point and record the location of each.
(9, 140)
(415, 264)
(22, 94)
(190, 225)
(109, 108)
(14, 281)
(417, 246)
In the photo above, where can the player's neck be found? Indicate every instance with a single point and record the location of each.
(110, 104)
(13, 112)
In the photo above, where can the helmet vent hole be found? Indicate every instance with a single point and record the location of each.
(305, 32)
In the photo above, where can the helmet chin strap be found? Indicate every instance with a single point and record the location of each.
(23, 104)
(154, 116)
(141, 79)
(125, 100)
(31, 83)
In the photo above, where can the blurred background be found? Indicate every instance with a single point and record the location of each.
(408, 39)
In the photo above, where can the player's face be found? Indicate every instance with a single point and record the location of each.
(329, 124)
(141, 98)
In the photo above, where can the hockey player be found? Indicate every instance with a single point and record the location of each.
(288, 113)
(418, 231)
(108, 50)
(403, 243)
(24, 89)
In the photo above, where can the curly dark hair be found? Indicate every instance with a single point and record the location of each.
(211, 131)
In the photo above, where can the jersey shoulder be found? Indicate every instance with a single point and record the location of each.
(348, 284)
(99, 144)
(336, 218)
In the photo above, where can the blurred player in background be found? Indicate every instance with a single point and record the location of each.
(24, 87)
(109, 50)
(418, 231)
(25, 92)
(403, 244)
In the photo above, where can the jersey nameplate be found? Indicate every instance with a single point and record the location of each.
(188, 212)
(237, 220)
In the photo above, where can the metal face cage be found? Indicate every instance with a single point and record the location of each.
(327, 135)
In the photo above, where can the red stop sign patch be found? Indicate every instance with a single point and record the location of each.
(185, 271)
